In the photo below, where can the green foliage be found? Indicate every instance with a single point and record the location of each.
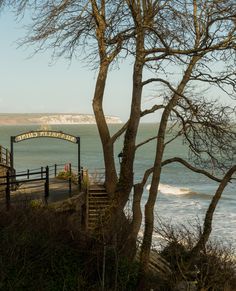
(36, 203)
(66, 175)
(85, 181)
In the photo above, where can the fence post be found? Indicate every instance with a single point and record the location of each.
(8, 190)
(82, 174)
(28, 174)
(86, 184)
(46, 186)
(55, 170)
(13, 186)
(7, 158)
(0, 154)
(42, 172)
(79, 179)
(70, 168)
(70, 187)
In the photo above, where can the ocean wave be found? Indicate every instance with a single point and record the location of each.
(168, 189)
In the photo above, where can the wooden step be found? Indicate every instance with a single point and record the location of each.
(97, 211)
(98, 207)
(99, 199)
(97, 190)
(97, 196)
(98, 203)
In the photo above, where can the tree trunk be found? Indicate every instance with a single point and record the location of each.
(149, 207)
(131, 241)
(126, 180)
(105, 61)
(108, 150)
(207, 228)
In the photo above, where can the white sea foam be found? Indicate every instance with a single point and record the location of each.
(168, 189)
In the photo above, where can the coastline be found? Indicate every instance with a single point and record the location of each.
(52, 119)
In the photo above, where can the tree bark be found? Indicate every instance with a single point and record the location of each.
(131, 241)
(149, 207)
(107, 145)
(105, 61)
(126, 174)
(207, 228)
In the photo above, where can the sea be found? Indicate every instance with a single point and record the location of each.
(183, 196)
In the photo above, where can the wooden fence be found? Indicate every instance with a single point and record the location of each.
(13, 181)
(5, 156)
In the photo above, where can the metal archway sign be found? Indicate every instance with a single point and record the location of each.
(48, 134)
(45, 133)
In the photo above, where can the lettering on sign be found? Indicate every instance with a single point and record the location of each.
(53, 134)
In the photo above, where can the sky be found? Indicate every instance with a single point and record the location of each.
(34, 85)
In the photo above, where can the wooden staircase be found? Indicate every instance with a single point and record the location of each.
(97, 203)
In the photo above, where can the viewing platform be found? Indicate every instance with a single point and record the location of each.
(65, 184)
(58, 186)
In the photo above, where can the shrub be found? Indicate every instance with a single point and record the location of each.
(37, 251)
(66, 175)
(41, 250)
(213, 269)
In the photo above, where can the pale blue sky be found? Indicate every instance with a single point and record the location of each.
(30, 85)
(33, 85)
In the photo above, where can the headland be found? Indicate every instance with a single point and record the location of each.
(51, 118)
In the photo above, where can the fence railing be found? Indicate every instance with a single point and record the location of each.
(14, 181)
(56, 169)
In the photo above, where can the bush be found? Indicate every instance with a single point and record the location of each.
(213, 269)
(37, 251)
(42, 250)
(66, 175)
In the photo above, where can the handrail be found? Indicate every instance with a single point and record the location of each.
(53, 171)
(50, 167)
(24, 181)
(22, 175)
(10, 181)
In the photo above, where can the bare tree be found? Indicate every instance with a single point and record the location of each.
(196, 39)
(201, 244)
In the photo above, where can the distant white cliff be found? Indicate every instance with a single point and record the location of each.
(52, 118)
(74, 119)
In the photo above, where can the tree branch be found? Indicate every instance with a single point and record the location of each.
(189, 166)
(179, 133)
(165, 82)
(119, 132)
(210, 212)
(152, 110)
(146, 141)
